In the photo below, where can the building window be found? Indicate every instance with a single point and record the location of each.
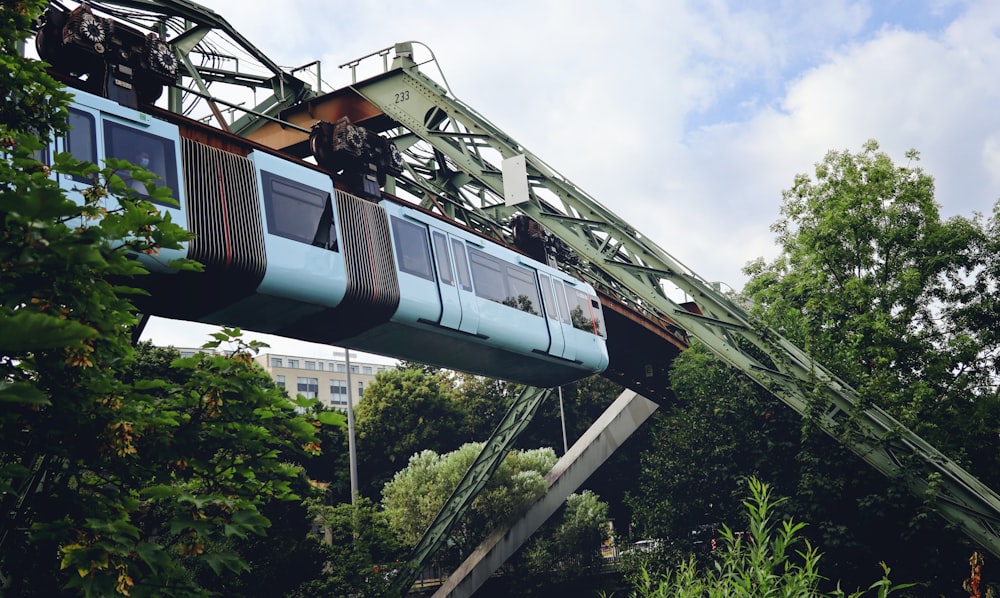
(309, 387)
(367, 370)
(280, 380)
(310, 365)
(380, 369)
(341, 367)
(293, 363)
(338, 393)
(276, 362)
(361, 390)
(354, 369)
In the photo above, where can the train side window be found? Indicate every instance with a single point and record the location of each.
(298, 212)
(523, 290)
(412, 251)
(462, 265)
(550, 306)
(156, 154)
(443, 258)
(487, 275)
(81, 140)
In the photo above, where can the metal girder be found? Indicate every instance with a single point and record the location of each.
(198, 22)
(621, 261)
(494, 450)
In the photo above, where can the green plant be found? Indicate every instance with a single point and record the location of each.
(769, 560)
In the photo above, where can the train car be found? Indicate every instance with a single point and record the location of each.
(288, 252)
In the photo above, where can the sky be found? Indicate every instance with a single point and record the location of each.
(687, 119)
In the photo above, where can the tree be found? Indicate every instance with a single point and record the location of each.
(403, 411)
(875, 285)
(565, 550)
(361, 551)
(416, 493)
(112, 484)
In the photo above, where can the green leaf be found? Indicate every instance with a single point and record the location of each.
(29, 331)
(158, 492)
(332, 418)
(22, 392)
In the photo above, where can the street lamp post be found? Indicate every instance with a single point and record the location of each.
(351, 447)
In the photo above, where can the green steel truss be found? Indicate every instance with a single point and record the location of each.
(454, 159)
(210, 51)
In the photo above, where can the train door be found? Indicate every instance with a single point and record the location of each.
(470, 309)
(557, 342)
(565, 318)
(451, 303)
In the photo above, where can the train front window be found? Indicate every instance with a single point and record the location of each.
(585, 312)
(412, 251)
(298, 212)
(154, 153)
(81, 140)
(443, 259)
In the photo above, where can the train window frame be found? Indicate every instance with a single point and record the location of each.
(443, 258)
(284, 200)
(69, 140)
(597, 314)
(462, 264)
(587, 304)
(413, 253)
(564, 314)
(126, 142)
(548, 301)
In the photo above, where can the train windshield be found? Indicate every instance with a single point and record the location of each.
(156, 154)
(585, 312)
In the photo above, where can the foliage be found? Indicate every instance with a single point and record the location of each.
(361, 551)
(565, 549)
(722, 428)
(404, 411)
(896, 301)
(768, 561)
(112, 483)
(415, 494)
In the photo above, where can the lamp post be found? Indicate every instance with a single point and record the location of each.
(351, 447)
